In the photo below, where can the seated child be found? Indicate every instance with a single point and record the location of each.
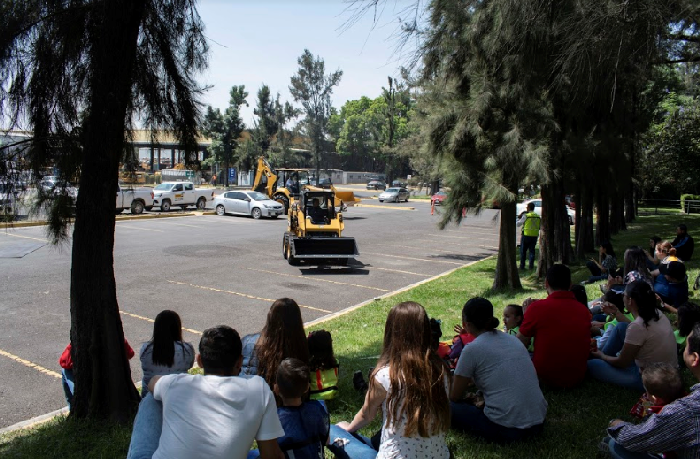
(611, 305)
(66, 363)
(664, 385)
(306, 424)
(323, 378)
(512, 318)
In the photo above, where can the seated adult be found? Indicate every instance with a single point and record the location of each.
(683, 243)
(663, 255)
(672, 286)
(647, 339)
(214, 415)
(499, 366)
(688, 316)
(605, 266)
(674, 429)
(282, 337)
(317, 214)
(561, 326)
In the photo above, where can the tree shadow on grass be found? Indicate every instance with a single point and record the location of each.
(67, 438)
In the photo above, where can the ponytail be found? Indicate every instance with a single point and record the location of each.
(672, 252)
(645, 299)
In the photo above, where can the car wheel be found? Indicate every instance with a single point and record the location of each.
(406, 198)
(201, 204)
(220, 210)
(256, 213)
(398, 199)
(137, 207)
(381, 200)
(165, 206)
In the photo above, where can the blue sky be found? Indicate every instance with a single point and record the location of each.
(258, 41)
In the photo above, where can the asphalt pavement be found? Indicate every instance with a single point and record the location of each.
(211, 270)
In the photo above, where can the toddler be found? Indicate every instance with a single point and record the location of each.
(512, 318)
(663, 384)
(323, 377)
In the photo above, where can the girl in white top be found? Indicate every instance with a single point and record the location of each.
(410, 384)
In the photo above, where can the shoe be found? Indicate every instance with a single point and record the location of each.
(604, 446)
(358, 381)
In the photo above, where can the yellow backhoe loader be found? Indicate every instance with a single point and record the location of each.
(281, 184)
(314, 232)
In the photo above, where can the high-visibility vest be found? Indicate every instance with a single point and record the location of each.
(324, 384)
(531, 227)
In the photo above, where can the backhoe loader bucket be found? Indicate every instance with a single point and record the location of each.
(324, 248)
(348, 198)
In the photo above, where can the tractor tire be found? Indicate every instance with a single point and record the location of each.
(285, 241)
(165, 205)
(137, 207)
(291, 259)
(282, 199)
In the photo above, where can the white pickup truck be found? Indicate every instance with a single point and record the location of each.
(181, 194)
(135, 199)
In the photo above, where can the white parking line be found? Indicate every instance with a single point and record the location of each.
(139, 228)
(24, 237)
(400, 271)
(317, 279)
(147, 319)
(411, 258)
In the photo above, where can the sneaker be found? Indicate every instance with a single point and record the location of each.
(358, 381)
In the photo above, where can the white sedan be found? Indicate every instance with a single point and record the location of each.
(522, 207)
(247, 203)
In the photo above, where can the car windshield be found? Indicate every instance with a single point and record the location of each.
(256, 196)
(441, 193)
(392, 190)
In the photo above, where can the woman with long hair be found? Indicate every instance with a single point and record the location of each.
(498, 365)
(282, 337)
(410, 384)
(166, 353)
(605, 266)
(634, 269)
(647, 339)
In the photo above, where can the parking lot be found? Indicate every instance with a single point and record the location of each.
(211, 270)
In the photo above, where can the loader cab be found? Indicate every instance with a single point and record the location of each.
(318, 206)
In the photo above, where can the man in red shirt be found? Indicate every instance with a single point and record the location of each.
(561, 327)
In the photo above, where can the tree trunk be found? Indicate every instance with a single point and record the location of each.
(630, 212)
(584, 224)
(506, 267)
(555, 233)
(103, 385)
(614, 223)
(602, 232)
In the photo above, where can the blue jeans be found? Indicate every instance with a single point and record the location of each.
(68, 385)
(469, 418)
(626, 377)
(147, 428)
(616, 339)
(527, 243)
(348, 446)
(618, 452)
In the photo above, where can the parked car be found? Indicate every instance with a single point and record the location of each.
(394, 194)
(135, 199)
(399, 183)
(376, 185)
(181, 194)
(437, 198)
(250, 203)
(522, 207)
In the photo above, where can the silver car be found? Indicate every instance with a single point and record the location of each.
(394, 194)
(247, 203)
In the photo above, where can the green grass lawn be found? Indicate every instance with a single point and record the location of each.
(576, 418)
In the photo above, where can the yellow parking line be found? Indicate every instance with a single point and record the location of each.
(244, 295)
(400, 271)
(29, 364)
(24, 237)
(140, 229)
(411, 258)
(317, 279)
(136, 316)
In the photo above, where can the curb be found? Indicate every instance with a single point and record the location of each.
(349, 309)
(35, 421)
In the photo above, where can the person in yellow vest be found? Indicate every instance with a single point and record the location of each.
(530, 222)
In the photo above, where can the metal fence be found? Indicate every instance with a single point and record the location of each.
(667, 206)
